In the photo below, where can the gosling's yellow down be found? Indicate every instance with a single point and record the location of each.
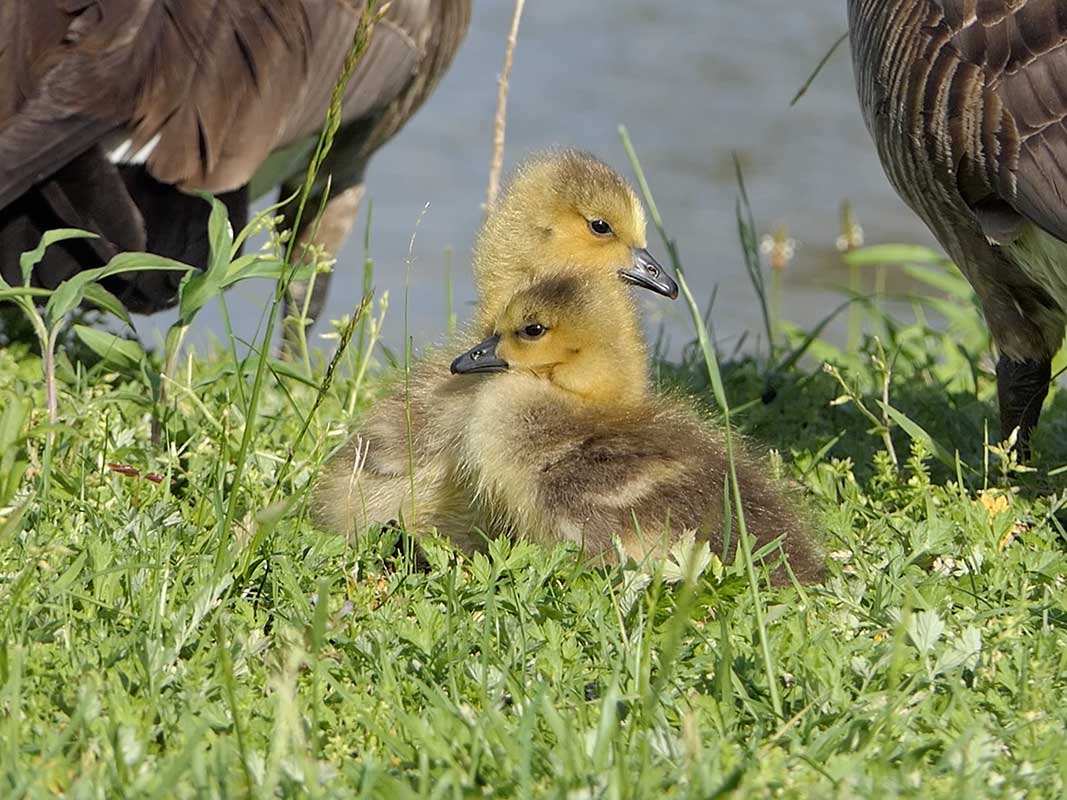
(567, 441)
(560, 207)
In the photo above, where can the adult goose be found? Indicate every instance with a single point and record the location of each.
(113, 111)
(966, 101)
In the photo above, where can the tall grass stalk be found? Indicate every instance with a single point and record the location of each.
(333, 120)
(450, 310)
(496, 165)
(750, 251)
(364, 356)
(714, 375)
(302, 323)
(343, 342)
(803, 90)
(369, 327)
(368, 274)
(407, 363)
(776, 304)
(743, 541)
(780, 248)
(851, 239)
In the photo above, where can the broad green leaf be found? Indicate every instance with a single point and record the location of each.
(122, 353)
(282, 368)
(959, 317)
(916, 431)
(820, 350)
(31, 258)
(953, 284)
(65, 580)
(69, 294)
(11, 292)
(811, 338)
(13, 419)
(924, 630)
(199, 287)
(12, 522)
(220, 235)
(196, 289)
(251, 364)
(965, 651)
(263, 267)
(136, 262)
(106, 301)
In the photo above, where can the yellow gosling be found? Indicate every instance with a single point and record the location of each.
(566, 441)
(560, 209)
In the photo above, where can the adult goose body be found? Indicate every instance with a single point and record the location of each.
(966, 101)
(113, 111)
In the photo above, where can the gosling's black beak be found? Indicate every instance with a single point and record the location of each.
(480, 358)
(648, 274)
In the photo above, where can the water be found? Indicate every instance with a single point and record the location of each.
(694, 83)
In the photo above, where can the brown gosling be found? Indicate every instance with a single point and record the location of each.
(559, 208)
(567, 441)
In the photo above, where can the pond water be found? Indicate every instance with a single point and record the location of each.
(695, 83)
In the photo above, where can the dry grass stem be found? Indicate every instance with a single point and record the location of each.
(497, 164)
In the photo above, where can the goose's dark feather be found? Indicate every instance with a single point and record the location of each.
(966, 101)
(204, 90)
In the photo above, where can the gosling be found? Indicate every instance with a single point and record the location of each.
(567, 441)
(562, 208)
(559, 207)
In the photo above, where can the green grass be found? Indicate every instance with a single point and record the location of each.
(168, 628)
(148, 650)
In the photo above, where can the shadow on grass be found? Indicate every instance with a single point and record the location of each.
(799, 416)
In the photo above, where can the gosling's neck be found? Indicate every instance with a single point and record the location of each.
(502, 262)
(614, 381)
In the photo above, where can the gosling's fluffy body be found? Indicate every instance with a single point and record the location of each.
(552, 471)
(570, 442)
(371, 479)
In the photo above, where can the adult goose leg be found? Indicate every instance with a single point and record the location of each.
(1021, 389)
(327, 232)
(965, 102)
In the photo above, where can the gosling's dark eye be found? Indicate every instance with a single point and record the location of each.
(599, 227)
(533, 330)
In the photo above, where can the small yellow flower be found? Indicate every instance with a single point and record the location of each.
(995, 502)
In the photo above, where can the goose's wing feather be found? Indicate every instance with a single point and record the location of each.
(205, 88)
(1021, 50)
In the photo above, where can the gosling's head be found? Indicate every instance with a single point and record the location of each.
(564, 208)
(577, 333)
